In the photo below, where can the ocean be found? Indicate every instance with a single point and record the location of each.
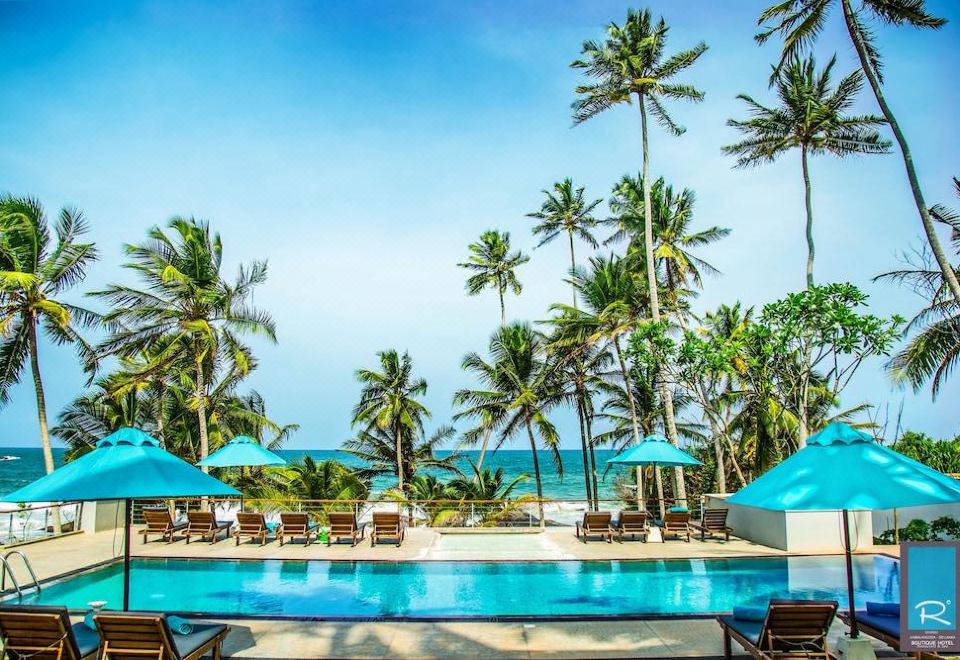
(14, 474)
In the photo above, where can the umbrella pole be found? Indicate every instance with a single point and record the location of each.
(854, 629)
(128, 523)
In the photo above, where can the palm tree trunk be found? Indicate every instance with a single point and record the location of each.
(160, 434)
(633, 415)
(573, 266)
(809, 205)
(658, 478)
(42, 412)
(503, 310)
(483, 450)
(593, 463)
(536, 472)
(665, 394)
(199, 392)
(949, 276)
(399, 434)
(583, 449)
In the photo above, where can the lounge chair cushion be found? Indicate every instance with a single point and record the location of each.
(885, 624)
(678, 509)
(749, 613)
(202, 633)
(883, 609)
(88, 641)
(749, 629)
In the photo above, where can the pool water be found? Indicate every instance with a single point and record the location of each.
(472, 589)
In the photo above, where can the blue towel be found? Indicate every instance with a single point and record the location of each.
(88, 620)
(179, 625)
(749, 613)
(883, 609)
(678, 509)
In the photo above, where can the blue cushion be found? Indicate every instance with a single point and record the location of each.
(202, 633)
(889, 625)
(883, 609)
(678, 509)
(88, 620)
(88, 641)
(749, 613)
(749, 629)
(179, 625)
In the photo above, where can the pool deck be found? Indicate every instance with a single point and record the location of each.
(656, 638)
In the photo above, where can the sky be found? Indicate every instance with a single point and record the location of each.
(360, 147)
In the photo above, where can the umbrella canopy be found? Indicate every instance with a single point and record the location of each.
(843, 468)
(241, 451)
(655, 450)
(127, 464)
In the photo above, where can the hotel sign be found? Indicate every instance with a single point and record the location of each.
(928, 597)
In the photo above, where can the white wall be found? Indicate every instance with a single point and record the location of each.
(883, 520)
(100, 516)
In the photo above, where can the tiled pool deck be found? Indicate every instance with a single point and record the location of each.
(662, 638)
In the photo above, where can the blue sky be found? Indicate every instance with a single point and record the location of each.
(359, 147)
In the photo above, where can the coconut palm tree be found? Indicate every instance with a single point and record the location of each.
(809, 117)
(801, 22)
(494, 266)
(630, 65)
(524, 385)
(933, 352)
(308, 479)
(35, 268)
(186, 316)
(376, 447)
(566, 211)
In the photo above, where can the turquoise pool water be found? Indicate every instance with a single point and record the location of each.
(472, 589)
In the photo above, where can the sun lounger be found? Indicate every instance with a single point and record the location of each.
(136, 636)
(251, 526)
(45, 633)
(160, 523)
(343, 524)
(789, 630)
(676, 523)
(386, 526)
(595, 523)
(714, 521)
(884, 628)
(632, 523)
(295, 525)
(204, 524)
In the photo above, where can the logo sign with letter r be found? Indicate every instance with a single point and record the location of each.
(928, 597)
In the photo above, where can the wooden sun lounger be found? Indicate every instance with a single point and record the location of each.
(714, 521)
(294, 525)
(884, 628)
(251, 526)
(160, 523)
(595, 523)
(676, 523)
(45, 633)
(386, 525)
(632, 523)
(139, 636)
(204, 524)
(343, 524)
(791, 630)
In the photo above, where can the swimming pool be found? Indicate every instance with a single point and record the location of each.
(442, 590)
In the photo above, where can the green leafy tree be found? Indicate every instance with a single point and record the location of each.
(187, 317)
(308, 479)
(376, 447)
(800, 22)
(942, 455)
(630, 65)
(566, 211)
(494, 267)
(810, 117)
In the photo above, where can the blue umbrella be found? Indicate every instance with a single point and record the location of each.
(239, 452)
(126, 465)
(657, 451)
(843, 469)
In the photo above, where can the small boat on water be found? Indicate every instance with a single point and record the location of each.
(9, 458)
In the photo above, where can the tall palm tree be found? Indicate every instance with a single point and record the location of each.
(389, 403)
(187, 315)
(35, 268)
(494, 266)
(800, 23)
(566, 211)
(810, 117)
(933, 352)
(525, 386)
(630, 64)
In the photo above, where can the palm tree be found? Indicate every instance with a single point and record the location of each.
(810, 117)
(485, 484)
(630, 63)
(187, 316)
(565, 211)
(308, 479)
(524, 386)
(35, 268)
(376, 447)
(389, 403)
(494, 266)
(934, 352)
(801, 22)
